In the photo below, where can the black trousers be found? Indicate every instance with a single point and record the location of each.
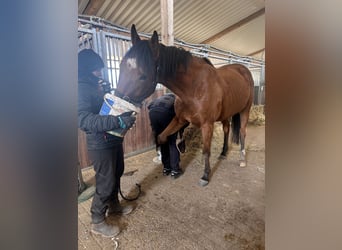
(109, 167)
(169, 153)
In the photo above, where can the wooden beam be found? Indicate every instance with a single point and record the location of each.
(93, 7)
(166, 13)
(82, 5)
(234, 26)
(256, 52)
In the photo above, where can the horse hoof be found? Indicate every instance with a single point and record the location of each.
(243, 164)
(203, 183)
(222, 157)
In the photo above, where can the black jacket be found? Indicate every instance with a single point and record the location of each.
(90, 99)
(163, 104)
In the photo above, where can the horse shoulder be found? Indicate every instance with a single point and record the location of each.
(188, 110)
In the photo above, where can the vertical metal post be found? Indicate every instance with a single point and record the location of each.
(116, 59)
(102, 51)
(110, 58)
(95, 47)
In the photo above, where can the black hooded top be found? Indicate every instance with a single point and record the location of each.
(90, 99)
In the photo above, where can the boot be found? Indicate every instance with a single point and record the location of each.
(117, 208)
(166, 171)
(104, 229)
(176, 173)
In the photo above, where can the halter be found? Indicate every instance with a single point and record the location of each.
(129, 99)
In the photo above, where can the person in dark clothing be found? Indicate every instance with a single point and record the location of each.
(104, 149)
(161, 112)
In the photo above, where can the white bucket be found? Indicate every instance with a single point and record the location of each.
(113, 105)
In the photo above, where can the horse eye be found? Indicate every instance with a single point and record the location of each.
(142, 78)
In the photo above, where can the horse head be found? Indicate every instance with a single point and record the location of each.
(138, 69)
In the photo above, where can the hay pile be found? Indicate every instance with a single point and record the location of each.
(257, 115)
(193, 137)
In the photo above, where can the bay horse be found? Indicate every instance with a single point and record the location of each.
(205, 94)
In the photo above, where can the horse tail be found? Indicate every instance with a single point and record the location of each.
(236, 124)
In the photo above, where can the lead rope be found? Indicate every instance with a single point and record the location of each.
(130, 199)
(138, 185)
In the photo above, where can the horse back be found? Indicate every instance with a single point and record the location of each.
(213, 94)
(239, 69)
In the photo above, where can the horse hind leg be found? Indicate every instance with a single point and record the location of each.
(243, 130)
(207, 134)
(225, 127)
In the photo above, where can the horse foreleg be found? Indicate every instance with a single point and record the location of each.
(207, 134)
(225, 127)
(172, 128)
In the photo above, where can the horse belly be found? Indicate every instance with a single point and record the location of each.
(234, 102)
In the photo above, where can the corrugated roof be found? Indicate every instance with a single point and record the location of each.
(221, 22)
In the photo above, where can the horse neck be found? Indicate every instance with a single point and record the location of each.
(177, 86)
(181, 84)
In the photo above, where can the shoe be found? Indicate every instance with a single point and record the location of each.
(105, 229)
(181, 146)
(117, 208)
(176, 173)
(166, 171)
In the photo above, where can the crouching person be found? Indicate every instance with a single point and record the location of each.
(161, 113)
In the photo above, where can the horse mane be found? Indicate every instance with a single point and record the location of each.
(170, 59)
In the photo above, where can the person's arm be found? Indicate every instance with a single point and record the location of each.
(95, 123)
(91, 122)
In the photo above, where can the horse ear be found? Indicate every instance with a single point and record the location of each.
(155, 44)
(154, 39)
(134, 35)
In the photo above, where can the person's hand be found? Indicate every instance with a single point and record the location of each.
(126, 120)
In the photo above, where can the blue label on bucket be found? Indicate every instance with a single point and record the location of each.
(105, 109)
